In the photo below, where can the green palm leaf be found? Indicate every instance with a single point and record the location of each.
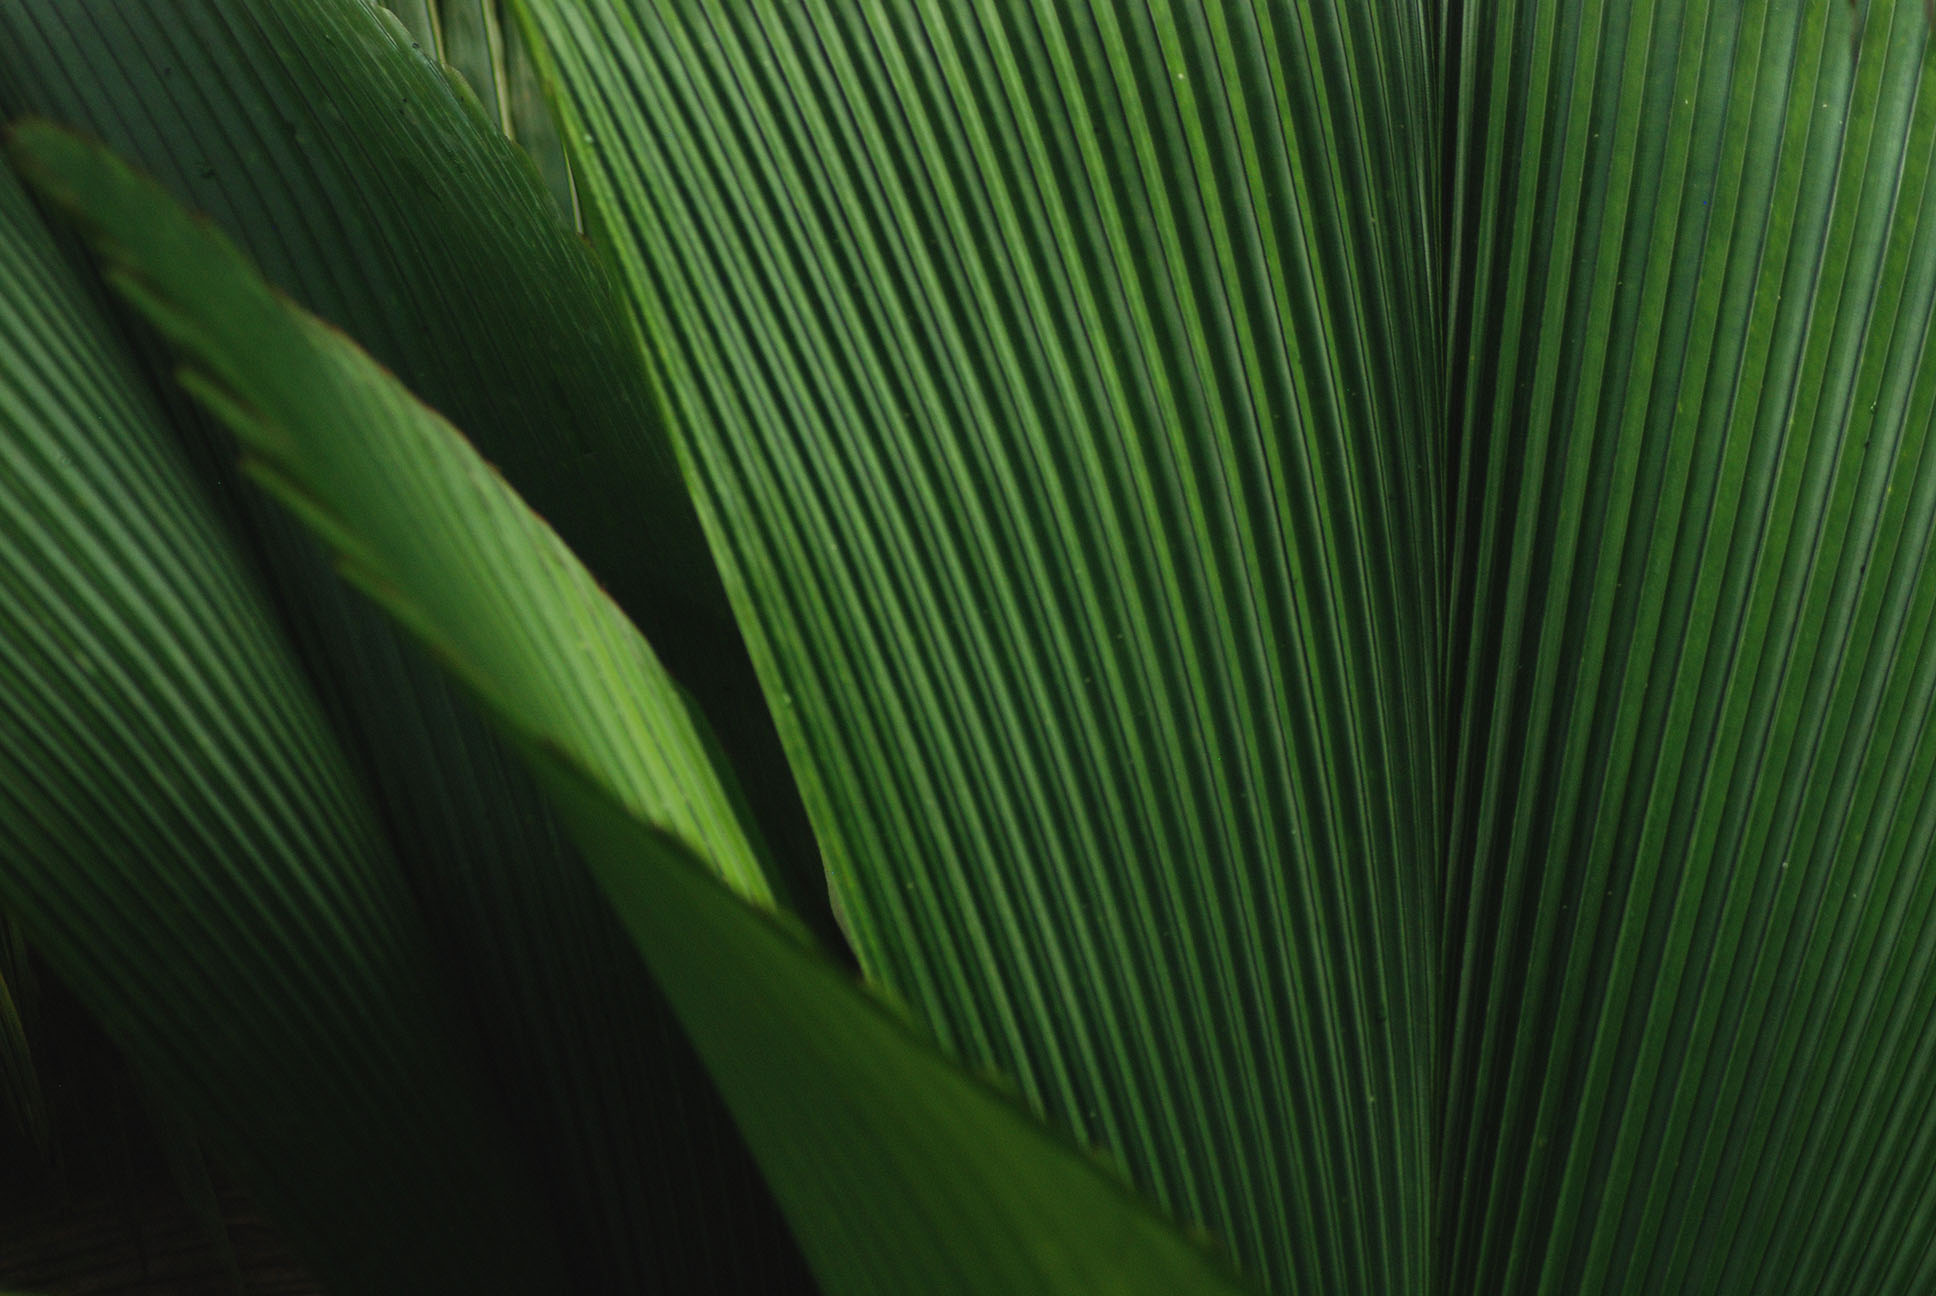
(1058, 387)
(1348, 588)
(847, 1110)
(1693, 666)
(183, 841)
(480, 42)
(352, 166)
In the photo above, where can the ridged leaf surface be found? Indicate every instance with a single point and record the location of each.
(1058, 385)
(901, 1172)
(1689, 927)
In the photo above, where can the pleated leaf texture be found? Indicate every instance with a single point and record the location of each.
(811, 1066)
(1342, 593)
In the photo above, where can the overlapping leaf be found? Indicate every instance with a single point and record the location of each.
(1058, 384)
(901, 1173)
(362, 178)
(480, 43)
(184, 843)
(1061, 387)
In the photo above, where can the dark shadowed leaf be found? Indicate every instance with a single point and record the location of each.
(182, 840)
(20, 1089)
(900, 1172)
(351, 167)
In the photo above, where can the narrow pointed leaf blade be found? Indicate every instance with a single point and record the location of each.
(359, 175)
(367, 187)
(900, 1172)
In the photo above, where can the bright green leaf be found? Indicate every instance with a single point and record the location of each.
(348, 165)
(900, 1172)
(507, 609)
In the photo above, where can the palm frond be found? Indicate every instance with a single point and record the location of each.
(353, 169)
(1349, 590)
(1692, 830)
(184, 843)
(1057, 385)
(850, 1114)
